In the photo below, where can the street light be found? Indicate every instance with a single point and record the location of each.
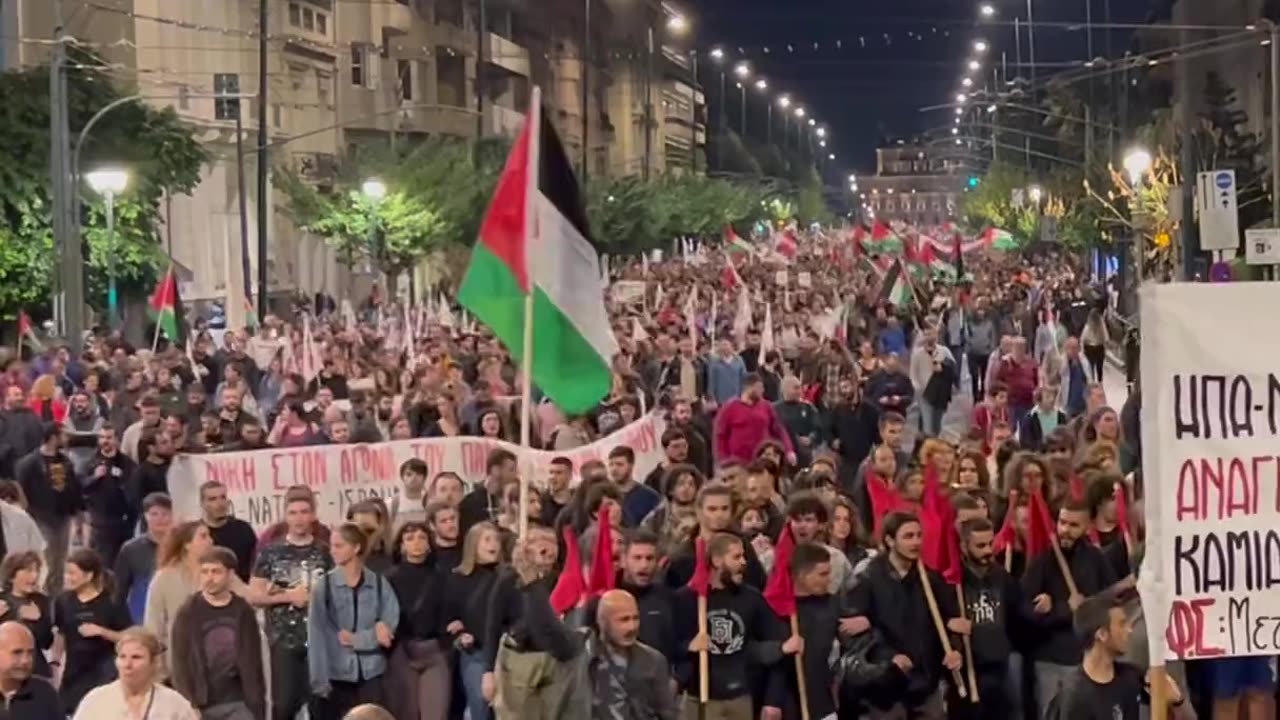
(812, 122)
(822, 143)
(677, 24)
(762, 84)
(832, 156)
(975, 65)
(1137, 162)
(1036, 193)
(800, 112)
(742, 70)
(987, 10)
(717, 54)
(822, 132)
(980, 45)
(959, 111)
(962, 98)
(110, 182)
(784, 102)
(955, 131)
(374, 189)
(967, 82)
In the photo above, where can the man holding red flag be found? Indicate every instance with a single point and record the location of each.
(1054, 596)
(993, 604)
(742, 638)
(892, 598)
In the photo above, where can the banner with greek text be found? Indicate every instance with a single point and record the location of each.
(1211, 430)
(342, 475)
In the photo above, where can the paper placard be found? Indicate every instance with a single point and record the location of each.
(781, 278)
(805, 280)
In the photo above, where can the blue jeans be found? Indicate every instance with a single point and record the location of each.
(472, 667)
(930, 419)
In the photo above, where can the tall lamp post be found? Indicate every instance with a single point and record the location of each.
(1137, 163)
(763, 86)
(784, 102)
(743, 71)
(110, 182)
(374, 191)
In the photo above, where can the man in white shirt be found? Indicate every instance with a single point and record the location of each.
(927, 359)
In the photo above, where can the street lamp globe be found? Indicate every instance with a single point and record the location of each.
(975, 65)
(677, 24)
(742, 70)
(987, 10)
(717, 54)
(967, 82)
(980, 45)
(822, 132)
(108, 181)
(762, 84)
(962, 98)
(955, 131)
(1036, 193)
(784, 102)
(812, 122)
(800, 112)
(1137, 162)
(822, 143)
(374, 189)
(832, 156)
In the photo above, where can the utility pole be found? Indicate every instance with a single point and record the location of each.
(69, 303)
(693, 111)
(481, 30)
(648, 102)
(264, 158)
(1031, 43)
(1186, 123)
(586, 92)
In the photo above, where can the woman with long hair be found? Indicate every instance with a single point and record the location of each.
(940, 453)
(970, 472)
(352, 620)
(491, 426)
(45, 401)
(22, 601)
(467, 593)
(375, 518)
(177, 578)
(137, 694)
(447, 423)
(419, 678)
(674, 520)
(847, 534)
(89, 622)
(1094, 338)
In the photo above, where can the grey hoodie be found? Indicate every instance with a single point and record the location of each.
(982, 335)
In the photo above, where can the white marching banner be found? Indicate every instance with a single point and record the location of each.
(1210, 430)
(342, 475)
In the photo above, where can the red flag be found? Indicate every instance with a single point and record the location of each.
(571, 587)
(701, 580)
(780, 590)
(24, 324)
(941, 550)
(1076, 487)
(729, 276)
(1041, 530)
(787, 245)
(884, 499)
(1008, 534)
(1122, 513)
(858, 236)
(602, 577)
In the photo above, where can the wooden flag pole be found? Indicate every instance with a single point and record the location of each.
(800, 683)
(155, 340)
(526, 358)
(704, 659)
(968, 650)
(1159, 693)
(1064, 567)
(1008, 558)
(937, 623)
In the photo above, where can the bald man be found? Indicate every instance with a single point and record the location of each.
(628, 678)
(25, 697)
(368, 711)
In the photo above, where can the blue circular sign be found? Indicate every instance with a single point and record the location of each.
(1223, 180)
(1220, 272)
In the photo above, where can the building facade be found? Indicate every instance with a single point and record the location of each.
(342, 73)
(913, 183)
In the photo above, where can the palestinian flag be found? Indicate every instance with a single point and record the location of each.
(736, 245)
(895, 288)
(884, 241)
(535, 246)
(27, 333)
(786, 245)
(166, 308)
(997, 239)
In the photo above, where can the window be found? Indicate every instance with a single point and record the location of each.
(295, 15)
(404, 71)
(308, 19)
(357, 64)
(226, 84)
(324, 88)
(277, 114)
(184, 98)
(322, 24)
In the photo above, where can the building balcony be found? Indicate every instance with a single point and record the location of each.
(454, 37)
(397, 15)
(502, 121)
(503, 53)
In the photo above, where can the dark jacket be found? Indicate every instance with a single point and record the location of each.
(20, 434)
(50, 499)
(745, 638)
(656, 627)
(1031, 433)
(681, 567)
(938, 391)
(1092, 574)
(856, 428)
(35, 700)
(106, 497)
(993, 603)
(884, 384)
(645, 685)
(190, 669)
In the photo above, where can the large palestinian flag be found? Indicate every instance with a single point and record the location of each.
(534, 242)
(165, 307)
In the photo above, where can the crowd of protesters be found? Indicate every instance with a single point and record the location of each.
(434, 607)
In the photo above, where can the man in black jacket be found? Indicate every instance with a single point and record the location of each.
(1057, 651)
(715, 516)
(20, 432)
(639, 569)
(111, 516)
(484, 503)
(852, 425)
(629, 679)
(993, 603)
(891, 597)
(54, 497)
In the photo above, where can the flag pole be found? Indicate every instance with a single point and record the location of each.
(530, 235)
(968, 648)
(155, 340)
(704, 659)
(800, 683)
(937, 623)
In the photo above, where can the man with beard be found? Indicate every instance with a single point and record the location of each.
(890, 389)
(675, 450)
(152, 474)
(746, 422)
(852, 426)
(149, 421)
(682, 418)
(111, 515)
(637, 500)
(54, 497)
(231, 416)
(364, 422)
(1057, 653)
(20, 431)
(639, 570)
(810, 522)
(715, 517)
(82, 425)
(993, 602)
(743, 641)
(124, 406)
(559, 493)
(629, 678)
(891, 597)
(252, 437)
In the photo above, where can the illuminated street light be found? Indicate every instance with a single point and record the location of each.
(967, 82)
(717, 54)
(959, 111)
(1137, 162)
(762, 84)
(677, 24)
(822, 143)
(832, 156)
(110, 182)
(1036, 193)
(987, 10)
(980, 46)
(812, 122)
(991, 108)
(742, 70)
(784, 102)
(822, 132)
(955, 131)
(799, 112)
(962, 98)
(374, 189)
(975, 65)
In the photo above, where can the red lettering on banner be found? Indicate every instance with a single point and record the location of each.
(474, 456)
(382, 464)
(432, 454)
(1185, 634)
(238, 474)
(347, 471)
(1220, 488)
(367, 465)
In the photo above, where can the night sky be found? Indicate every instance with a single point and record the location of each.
(865, 67)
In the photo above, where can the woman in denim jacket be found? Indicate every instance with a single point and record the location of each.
(351, 624)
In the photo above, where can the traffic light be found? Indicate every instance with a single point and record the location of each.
(973, 181)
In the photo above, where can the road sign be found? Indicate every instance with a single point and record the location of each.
(1262, 247)
(1216, 203)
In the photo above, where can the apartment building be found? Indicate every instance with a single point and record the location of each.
(342, 72)
(913, 183)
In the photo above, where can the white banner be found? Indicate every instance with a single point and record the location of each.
(343, 475)
(1211, 419)
(628, 291)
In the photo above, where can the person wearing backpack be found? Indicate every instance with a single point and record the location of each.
(351, 624)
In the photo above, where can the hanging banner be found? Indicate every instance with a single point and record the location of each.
(1211, 426)
(342, 475)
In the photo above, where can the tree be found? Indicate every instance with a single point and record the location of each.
(991, 204)
(159, 150)
(811, 203)
(1222, 143)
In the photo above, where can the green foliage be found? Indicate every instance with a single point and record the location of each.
(811, 204)
(159, 151)
(991, 204)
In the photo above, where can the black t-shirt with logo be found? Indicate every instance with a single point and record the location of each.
(287, 565)
(1085, 699)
